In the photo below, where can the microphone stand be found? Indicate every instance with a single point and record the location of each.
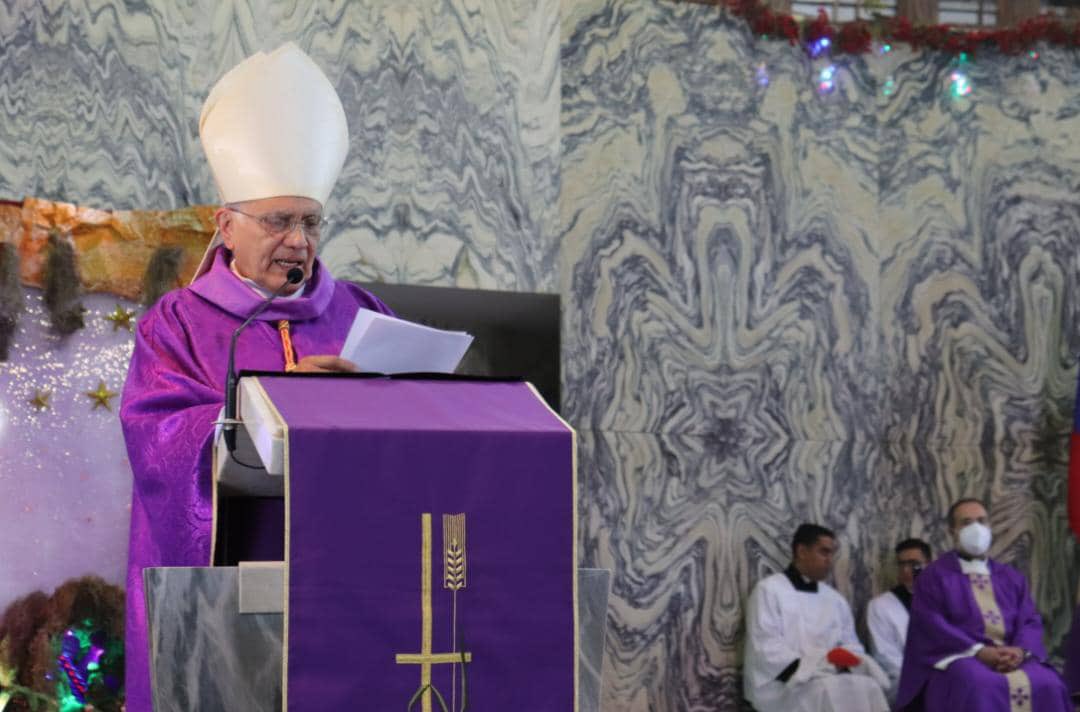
(229, 422)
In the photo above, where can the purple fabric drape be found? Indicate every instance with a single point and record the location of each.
(368, 458)
(946, 620)
(173, 394)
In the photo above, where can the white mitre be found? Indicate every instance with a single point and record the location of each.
(273, 126)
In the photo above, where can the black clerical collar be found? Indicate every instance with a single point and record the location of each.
(904, 595)
(799, 581)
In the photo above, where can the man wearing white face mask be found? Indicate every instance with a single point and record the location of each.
(974, 643)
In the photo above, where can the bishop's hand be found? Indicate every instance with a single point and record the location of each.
(324, 363)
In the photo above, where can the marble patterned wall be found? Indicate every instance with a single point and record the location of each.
(782, 304)
(92, 104)
(451, 178)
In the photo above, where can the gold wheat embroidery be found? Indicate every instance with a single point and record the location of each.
(454, 551)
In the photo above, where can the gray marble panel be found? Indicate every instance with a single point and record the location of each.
(92, 103)
(593, 589)
(712, 281)
(977, 290)
(262, 586)
(205, 654)
(453, 169)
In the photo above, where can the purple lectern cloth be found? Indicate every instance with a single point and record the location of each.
(173, 394)
(366, 459)
(946, 620)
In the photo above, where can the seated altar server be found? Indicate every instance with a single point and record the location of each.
(887, 614)
(275, 135)
(802, 654)
(974, 643)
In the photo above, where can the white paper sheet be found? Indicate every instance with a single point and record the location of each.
(383, 344)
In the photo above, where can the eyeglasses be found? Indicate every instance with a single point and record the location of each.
(917, 566)
(282, 224)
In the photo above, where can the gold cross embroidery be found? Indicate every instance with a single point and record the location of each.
(426, 658)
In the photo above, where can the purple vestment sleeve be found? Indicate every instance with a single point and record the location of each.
(173, 394)
(1026, 627)
(167, 413)
(944, 621)
(934, 631)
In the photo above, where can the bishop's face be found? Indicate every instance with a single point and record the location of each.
(271, 236)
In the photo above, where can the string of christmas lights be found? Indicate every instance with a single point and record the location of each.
(857, 36)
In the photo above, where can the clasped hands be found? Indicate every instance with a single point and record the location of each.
(1001, 658)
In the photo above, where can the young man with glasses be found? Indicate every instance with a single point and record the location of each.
(275, 135)
(888, 613)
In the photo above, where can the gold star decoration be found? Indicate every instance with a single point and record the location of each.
(40, 399)
(101, 396)
(120, 317)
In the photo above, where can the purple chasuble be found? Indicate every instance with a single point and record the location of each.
(174, 392)
(427, 521)
(946, 620)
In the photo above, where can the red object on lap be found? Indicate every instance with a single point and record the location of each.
(843, 658)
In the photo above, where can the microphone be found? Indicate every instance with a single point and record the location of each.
(293, 276)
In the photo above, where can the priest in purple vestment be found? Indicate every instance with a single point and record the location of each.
(275, 135)
(974, 643)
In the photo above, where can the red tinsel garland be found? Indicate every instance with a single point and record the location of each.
(855, 37)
